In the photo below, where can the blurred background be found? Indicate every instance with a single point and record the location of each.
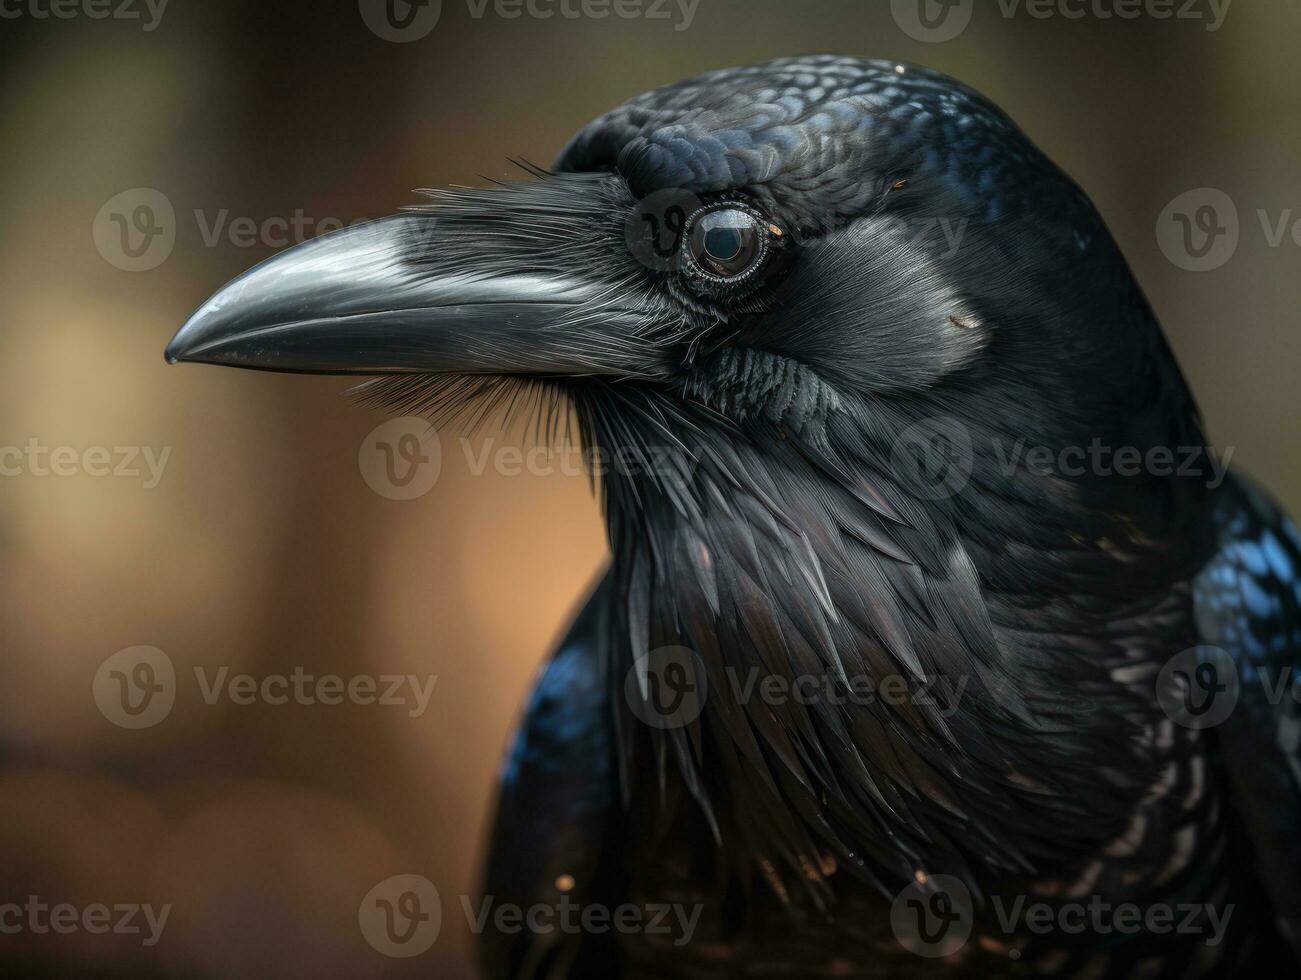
(250, 524)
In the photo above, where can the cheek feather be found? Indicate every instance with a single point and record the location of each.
(745, 384)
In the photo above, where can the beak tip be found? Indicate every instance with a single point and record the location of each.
(174, 352)
(191, 337)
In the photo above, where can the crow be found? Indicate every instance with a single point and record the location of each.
(936, 639)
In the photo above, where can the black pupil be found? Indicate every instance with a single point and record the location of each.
(722, 243)
(726, 243)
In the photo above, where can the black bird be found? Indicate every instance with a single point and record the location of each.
(891, 647)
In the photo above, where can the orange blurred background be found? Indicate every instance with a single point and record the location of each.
(262, 549)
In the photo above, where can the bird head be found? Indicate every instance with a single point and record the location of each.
(770, 243)
(760, 281)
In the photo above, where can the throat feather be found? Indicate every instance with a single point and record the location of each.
(788, 614)
(801, 558)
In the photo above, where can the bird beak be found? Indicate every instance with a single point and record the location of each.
(502, 281)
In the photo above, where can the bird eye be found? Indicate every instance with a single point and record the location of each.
(726, 244)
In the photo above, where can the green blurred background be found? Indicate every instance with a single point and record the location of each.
(262, 548)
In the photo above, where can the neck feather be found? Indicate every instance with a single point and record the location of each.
(879, 695)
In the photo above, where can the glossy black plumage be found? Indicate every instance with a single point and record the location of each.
(770, 522)
(742, 129)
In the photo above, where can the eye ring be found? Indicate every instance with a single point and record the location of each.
(725, 243)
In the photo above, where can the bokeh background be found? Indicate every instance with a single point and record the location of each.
(262, 547)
